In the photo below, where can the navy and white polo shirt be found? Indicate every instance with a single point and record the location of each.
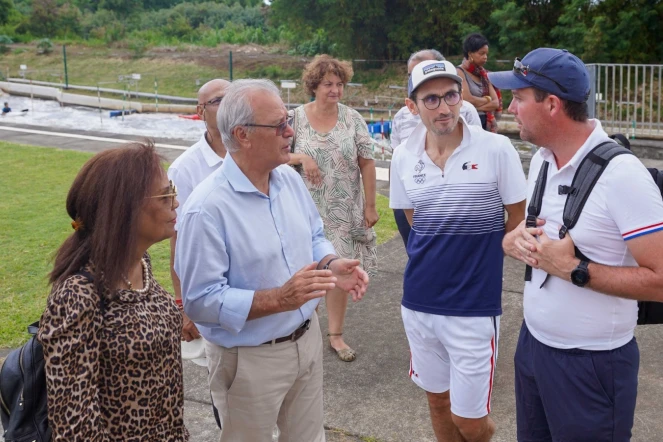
(455, 247)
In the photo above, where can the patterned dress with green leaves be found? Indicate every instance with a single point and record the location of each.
(339, 198)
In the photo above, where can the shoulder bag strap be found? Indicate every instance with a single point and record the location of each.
(589, 171)
(534, 208)
(294, 128)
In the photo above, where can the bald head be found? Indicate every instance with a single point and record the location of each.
(212, 89)
(423, 55)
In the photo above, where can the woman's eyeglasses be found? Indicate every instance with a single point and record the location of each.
(520, 68)
(433, 101)
(280, 128)
(170, 193)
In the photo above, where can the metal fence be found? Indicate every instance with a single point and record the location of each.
(627, 97)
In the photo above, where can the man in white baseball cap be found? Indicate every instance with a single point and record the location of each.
(454, 182)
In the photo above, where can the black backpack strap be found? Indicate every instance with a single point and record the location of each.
(33, 328)
(534, 208)
(621, 139)
(589, 171)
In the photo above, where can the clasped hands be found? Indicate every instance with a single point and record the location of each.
(534, 247)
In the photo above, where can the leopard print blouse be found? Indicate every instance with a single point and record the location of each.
(119, 379)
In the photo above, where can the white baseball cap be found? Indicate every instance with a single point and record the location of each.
(428, 69)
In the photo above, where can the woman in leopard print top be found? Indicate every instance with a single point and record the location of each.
(113, 368)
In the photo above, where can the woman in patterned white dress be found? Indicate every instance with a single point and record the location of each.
(333, 148)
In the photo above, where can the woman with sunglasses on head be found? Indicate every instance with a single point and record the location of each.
(333, 147)
(478, 90)
(110, 333)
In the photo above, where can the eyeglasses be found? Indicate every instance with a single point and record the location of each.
(433, 101)
(170, 193)
(213, 102)
(520, 68)
(280, 128)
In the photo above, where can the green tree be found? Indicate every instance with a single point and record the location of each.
(69, 20)
(121, 7)
(44, 18)
(571, 28)
(6, 7)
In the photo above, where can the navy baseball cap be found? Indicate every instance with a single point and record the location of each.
(556, 71)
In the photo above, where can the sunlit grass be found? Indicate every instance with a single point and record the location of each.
(34, 222)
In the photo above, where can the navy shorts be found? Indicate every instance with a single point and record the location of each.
(574, 395)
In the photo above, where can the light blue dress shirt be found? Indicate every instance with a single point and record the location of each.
(234, 240)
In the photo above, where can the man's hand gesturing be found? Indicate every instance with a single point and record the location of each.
(350, 277)
(306, 284)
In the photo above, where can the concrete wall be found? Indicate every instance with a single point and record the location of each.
(68, 99)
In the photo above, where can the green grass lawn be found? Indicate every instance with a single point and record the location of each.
(34, 222)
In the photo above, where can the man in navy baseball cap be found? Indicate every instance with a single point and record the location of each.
(576, 362)
(556, 71)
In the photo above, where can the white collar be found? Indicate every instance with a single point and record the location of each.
(211, 157)
(597, 136)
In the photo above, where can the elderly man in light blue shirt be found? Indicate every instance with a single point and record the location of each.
(253, 263)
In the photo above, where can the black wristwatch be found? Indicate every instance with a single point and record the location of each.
(580, 275)
(326, 266)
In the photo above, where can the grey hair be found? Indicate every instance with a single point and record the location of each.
(425, 53)
(235, 108)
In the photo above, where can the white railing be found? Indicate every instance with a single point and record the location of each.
(627, 98)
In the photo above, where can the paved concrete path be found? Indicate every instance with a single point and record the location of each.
(372, 399)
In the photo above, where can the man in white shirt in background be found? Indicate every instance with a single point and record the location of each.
(405, 121)
(192, 167)
(577, 359)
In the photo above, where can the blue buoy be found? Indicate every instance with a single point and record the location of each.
(118, 113)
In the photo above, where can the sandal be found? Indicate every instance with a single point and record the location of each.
(344, 354)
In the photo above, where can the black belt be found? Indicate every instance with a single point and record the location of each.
(293, 336)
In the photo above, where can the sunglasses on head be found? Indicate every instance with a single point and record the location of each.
(520, 68)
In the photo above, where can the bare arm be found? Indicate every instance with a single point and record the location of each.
(493, 104)
(481, 103)
(177, 287)
(297, 158)
(305, 285)
(367, 168)
(409, 214)
(477, 102)
(189, 329)
(515, 215)
(643, 283)
(311, 170)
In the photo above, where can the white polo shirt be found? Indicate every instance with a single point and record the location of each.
(191, 168)
(624, 204)
(455, 247)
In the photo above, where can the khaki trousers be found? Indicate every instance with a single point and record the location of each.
(256, 388)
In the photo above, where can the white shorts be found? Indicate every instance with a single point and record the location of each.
(454, 353)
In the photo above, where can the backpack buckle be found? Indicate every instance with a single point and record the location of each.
(562, 232)
(566, 190)
(530, 221)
